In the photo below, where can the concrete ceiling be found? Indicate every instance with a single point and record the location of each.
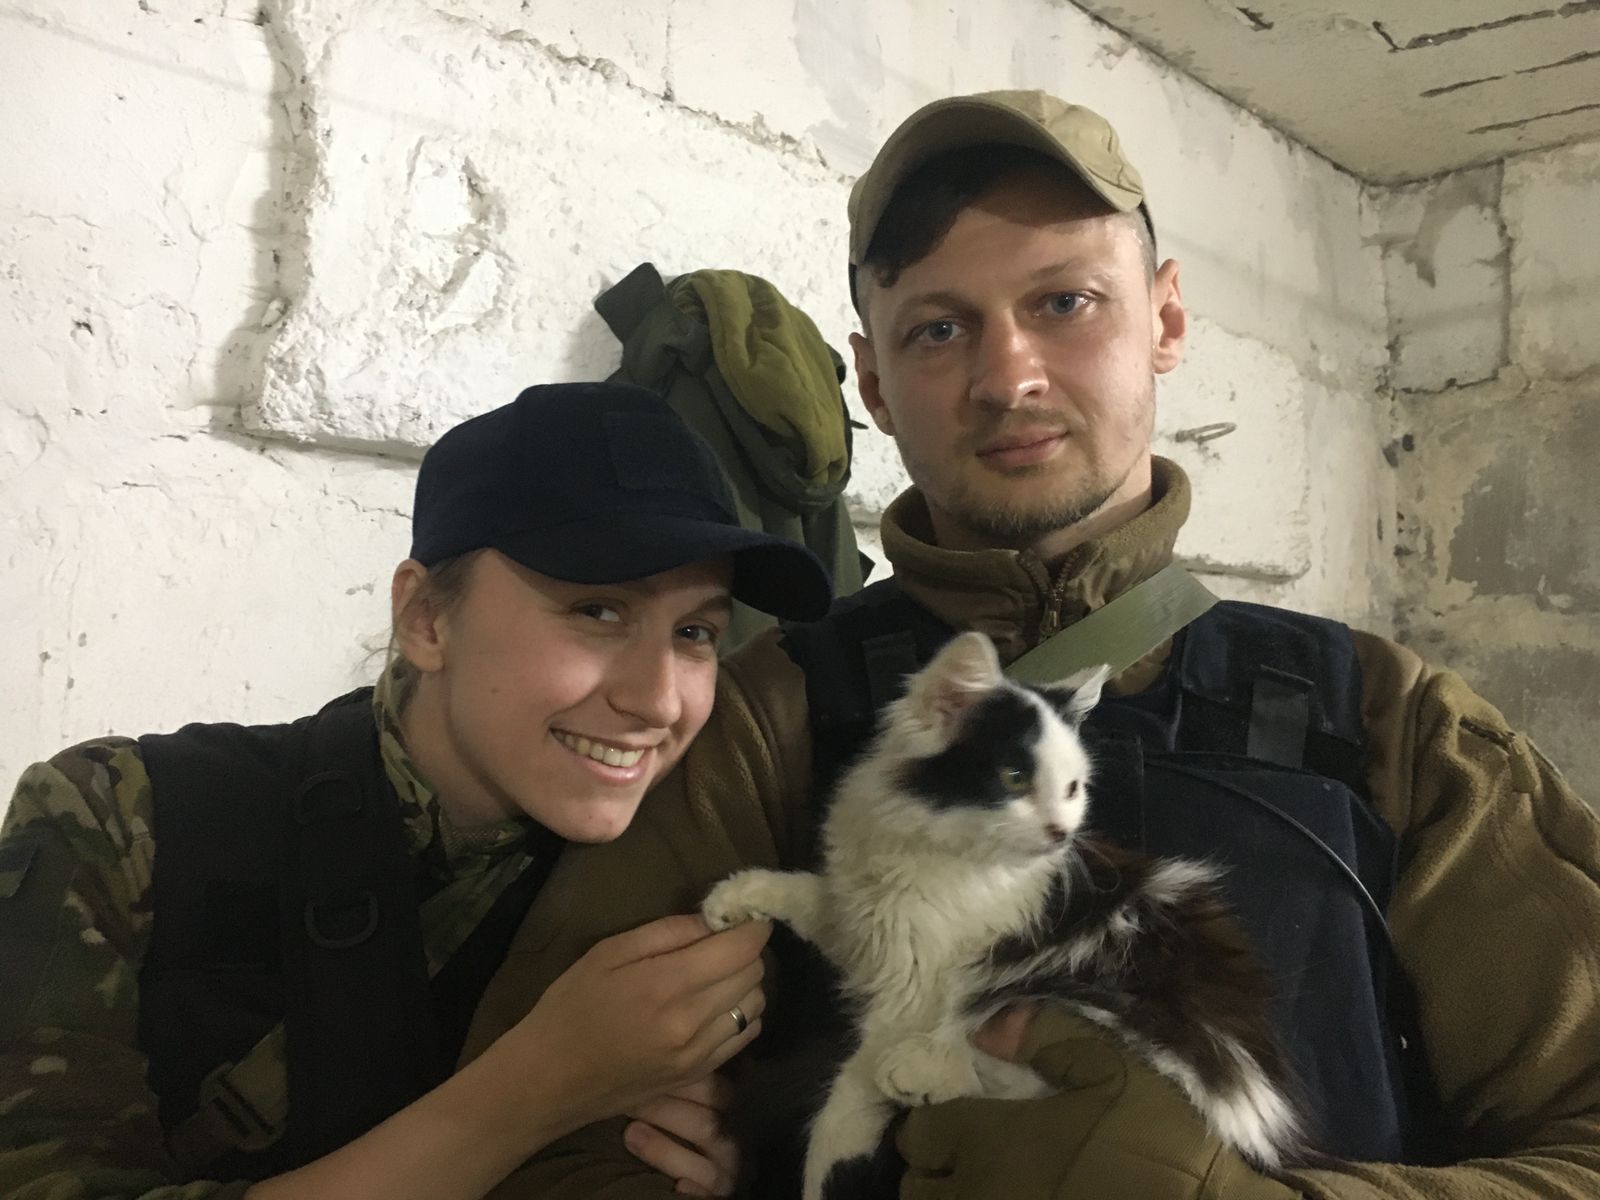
(1392, 91)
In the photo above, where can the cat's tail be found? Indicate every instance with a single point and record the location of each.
(1251, 1111)
(1148, 950)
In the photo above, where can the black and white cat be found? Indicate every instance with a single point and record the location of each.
(956, 881)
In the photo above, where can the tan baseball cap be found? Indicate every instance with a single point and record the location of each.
(1077, 137)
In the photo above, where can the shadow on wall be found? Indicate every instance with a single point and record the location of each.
(279, 224)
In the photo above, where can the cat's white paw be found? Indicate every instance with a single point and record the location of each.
(733, 902)
(1002, 1080)
(925, 1070)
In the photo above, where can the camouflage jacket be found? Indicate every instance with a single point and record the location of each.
(77, 1119)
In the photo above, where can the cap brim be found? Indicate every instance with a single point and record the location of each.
(770, 573)
(955, 124)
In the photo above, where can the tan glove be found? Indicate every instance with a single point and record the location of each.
(1116, 1131)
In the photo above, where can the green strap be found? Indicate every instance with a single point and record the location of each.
(1122, 632)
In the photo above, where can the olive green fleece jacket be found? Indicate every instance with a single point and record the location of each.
(1496, 914)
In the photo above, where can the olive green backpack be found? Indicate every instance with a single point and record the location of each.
(750, 372)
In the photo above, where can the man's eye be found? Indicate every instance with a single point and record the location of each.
(1063, 303)
(598, 611)
(700, 635)
(935, 333)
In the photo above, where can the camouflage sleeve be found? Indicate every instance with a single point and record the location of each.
(77, 1120)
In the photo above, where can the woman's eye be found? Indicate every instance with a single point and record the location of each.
(1015, 779)
(700, 635)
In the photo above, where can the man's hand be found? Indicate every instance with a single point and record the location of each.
(1116, 1131)
(680, 1135)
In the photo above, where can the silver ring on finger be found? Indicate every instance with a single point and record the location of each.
(740, 1021)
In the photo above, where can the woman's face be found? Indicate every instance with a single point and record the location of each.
(561, 701)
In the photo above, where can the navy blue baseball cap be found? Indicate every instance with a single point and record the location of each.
(600, 483)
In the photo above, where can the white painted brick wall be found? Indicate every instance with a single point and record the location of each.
(248, 269)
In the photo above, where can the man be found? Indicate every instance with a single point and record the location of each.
(1421, 884)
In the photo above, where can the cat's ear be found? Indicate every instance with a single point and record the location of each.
(959, 676)
(1079, 692)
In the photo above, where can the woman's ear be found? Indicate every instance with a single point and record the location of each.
(418, 624)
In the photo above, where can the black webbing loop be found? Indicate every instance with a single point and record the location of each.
(1280, 714)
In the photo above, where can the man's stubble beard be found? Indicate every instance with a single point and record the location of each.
(1019, 526)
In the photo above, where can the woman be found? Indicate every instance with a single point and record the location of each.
(243, 959)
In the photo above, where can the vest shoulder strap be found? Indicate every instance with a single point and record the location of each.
(355, 972)
(856, 660)
(1275, 685)
(283, 854)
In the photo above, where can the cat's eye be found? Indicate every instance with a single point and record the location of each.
(1015, 780)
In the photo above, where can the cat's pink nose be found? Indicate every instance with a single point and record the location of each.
(1055, 833)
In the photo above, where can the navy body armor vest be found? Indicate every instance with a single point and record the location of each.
(1249, 754)
(284, 892)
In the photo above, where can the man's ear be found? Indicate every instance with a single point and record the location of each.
(418, 626)
(1169, 321)
(867, 383)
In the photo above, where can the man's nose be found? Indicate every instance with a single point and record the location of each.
(1009, 369)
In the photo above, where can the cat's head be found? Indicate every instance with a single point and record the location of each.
(992, 764)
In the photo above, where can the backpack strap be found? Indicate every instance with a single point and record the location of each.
(856, 660)
(459, 984)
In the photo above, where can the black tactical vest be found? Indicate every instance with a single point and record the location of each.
(1248, 753)
(284, 892)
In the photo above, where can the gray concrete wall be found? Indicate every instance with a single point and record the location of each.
(1494, 296)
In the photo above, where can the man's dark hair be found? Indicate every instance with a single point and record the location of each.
(929, 199)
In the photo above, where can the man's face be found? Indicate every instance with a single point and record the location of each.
(1015, 367)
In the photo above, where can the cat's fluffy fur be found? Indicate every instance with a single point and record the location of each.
(957, 880)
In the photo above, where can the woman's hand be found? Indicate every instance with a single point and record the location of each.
(642, 1014)
(680, 1135)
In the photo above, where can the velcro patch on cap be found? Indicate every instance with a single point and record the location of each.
(653, 452)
